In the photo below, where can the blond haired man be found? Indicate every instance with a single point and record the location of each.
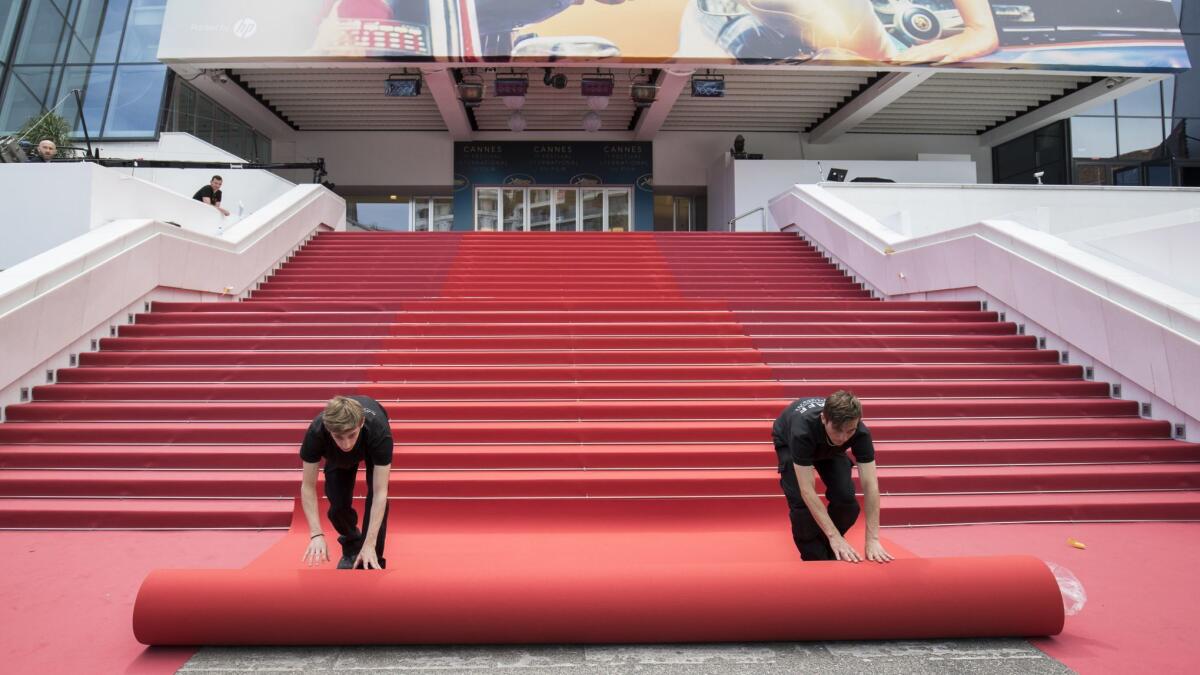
(351, 430)
(813, 434)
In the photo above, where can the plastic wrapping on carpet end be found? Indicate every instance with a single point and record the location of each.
(1074, 596)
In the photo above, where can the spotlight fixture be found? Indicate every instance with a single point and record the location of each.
(402, 85)
(555, 80)
(470, 93)
(596, 85)
(643, 94)
(511, 84)
(708, 86)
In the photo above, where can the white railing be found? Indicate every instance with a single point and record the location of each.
(1137, 331)
(55, 304)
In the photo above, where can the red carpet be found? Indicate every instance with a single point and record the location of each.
(590, 571)
(592, 368)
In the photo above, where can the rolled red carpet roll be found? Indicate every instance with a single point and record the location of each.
(684, 602)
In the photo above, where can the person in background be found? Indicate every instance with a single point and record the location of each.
(211, 194)
(46, 150)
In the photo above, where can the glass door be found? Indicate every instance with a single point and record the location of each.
(553, 209)
(566, 210)
(487, 209)
(541, 210)
(514, 209)
(617, 219)
(592, 201)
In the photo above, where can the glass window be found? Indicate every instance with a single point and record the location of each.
(24, 96)
(618, 210)
(514, 210)
(111, 31)
(1139, 134)
(136, 99)
(94, 83)
(566, 205)
(8, 25)
(664, 213)
(540, 203)
(1093, 137)
(382, 215)
(487, 209)
(142, 31)
(86, 32)
(1145, 102)
(593, 210)
(1169, 96)
(443, 214)
(42, 33)
(1106, 109)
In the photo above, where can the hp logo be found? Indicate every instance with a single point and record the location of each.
(245, 28)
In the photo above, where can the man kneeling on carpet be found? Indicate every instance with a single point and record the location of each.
(352, 429)
(814, 434)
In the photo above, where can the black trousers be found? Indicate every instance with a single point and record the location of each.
(339, 488)
(843, 508)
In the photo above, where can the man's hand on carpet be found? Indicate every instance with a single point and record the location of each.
(367, 559)
(877, 553)
(842, 549)
(317, 552)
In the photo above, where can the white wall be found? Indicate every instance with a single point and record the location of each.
(48, 204)
(756, 182)
(53, 304)
(1146, 333)
(682, 158)
(243, 192)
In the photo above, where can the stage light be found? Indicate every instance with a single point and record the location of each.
(470, 93)
(516, 122)
(597, 103)
(512, 84)
(596, 85)
(514, 102)
(551, 79)
(643, 94)
(592, 122)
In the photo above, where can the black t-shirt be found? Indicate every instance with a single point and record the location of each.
(374, 441)
(800, 438)
(207, 191)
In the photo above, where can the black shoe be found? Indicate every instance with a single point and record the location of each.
(346, 563)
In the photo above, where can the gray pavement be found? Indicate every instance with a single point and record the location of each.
(999, 656)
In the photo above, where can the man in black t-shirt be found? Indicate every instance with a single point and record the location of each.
(211, 194)
(814, 434)
(352, 429)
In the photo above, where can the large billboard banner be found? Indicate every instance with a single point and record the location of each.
(1103, 35)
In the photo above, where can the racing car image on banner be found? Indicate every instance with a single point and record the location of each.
(1100, 35)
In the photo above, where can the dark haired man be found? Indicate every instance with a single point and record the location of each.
(211, 194)
(814, 434)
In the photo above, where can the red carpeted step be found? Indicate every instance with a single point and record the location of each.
(495, 357)
(564, 373)
(1040, 508)
(605, 483)
(476, 391)
(561, 317)
(530, 343)
(557, 305)
(600, 456)
(765, 410)
(467, 329)
(158, 514)
(578, 432)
